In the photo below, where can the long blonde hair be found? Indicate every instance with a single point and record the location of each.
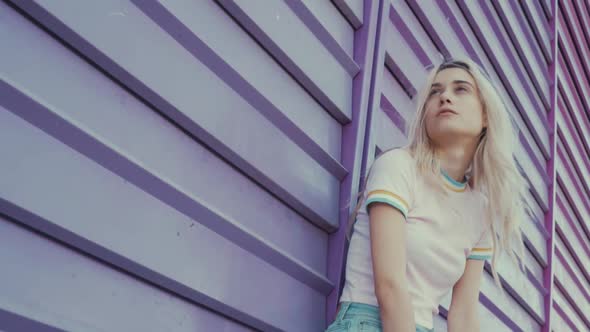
(493, 170)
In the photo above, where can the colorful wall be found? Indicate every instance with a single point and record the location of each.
(188, 165)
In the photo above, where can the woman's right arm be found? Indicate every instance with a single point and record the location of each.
(388, 250)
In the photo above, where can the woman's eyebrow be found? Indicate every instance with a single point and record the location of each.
(460, 81)
(455, 81)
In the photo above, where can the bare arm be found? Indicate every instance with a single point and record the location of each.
(463, 313)
(388, 249)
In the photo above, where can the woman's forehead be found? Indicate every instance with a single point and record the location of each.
(449, 75)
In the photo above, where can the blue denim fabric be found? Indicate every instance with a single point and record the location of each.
(360, 317)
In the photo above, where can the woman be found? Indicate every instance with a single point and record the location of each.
(433, 211)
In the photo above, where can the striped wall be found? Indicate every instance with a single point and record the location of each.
(190, 165)
(179, 165)
(571, 262)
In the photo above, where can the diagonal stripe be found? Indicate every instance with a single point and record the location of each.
(479, 257)
(481, 249)
(394, 204)
(385, 192)
(453, 188)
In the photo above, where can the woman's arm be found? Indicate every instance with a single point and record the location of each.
(463, 313)
(388, 250)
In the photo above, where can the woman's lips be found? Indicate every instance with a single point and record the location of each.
(446, 112)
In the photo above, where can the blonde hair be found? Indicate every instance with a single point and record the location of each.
(493, 170)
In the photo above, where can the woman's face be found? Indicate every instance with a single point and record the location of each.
(453, 108)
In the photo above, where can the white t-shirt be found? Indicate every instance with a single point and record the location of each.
(440, 236)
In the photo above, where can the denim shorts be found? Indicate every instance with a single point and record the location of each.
(360, 317)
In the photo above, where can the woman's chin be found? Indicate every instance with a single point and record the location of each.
(450, 133)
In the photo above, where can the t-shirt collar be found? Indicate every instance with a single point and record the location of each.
(452, 183)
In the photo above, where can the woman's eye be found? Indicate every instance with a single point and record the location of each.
(461, 88)
(432, 92)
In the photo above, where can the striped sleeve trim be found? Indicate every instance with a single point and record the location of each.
(480, 253)
(387, 197)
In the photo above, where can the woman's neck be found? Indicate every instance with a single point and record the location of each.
(455, 159)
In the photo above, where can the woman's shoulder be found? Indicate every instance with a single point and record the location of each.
(398, 155)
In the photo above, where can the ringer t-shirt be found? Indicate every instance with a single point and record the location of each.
(440, 236)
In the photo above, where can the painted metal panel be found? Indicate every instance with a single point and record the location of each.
(190, 141)
(353, 144)
(570, 135)
(574, 64)
(561, 300)
(333, 24)
(524, 45)
(571, 285)
(177, 102)
(123, 223)
(570, 297)
(274, 24)
(568, 276)
(353, 11)
(98, 105)
(67, 290)
(582, 9)
(539, 24)
(569, 227)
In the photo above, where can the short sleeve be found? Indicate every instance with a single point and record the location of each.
(390, 181)
(483, 249)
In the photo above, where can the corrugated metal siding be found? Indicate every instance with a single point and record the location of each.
(192, 149)
(185, 165)
(571, 282)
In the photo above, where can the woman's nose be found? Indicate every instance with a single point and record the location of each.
(445, 97)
